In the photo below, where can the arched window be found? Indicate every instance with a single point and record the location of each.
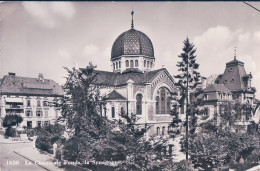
(144, 63)
(136, 63)
(163, 130)
(113, 112)
(127, 63)
(158, 130)
(116, 65)
(163, 101)
(168, 105)
(151, 64)
(147, 64)
(122, 110)
(139, 104)
(105, 111)
(131, 64)
(119, 64)
(157, 105)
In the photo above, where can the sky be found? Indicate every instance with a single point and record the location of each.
(45, 37)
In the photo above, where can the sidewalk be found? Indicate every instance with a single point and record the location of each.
(3, 140)
(36, 157)
(256, 168)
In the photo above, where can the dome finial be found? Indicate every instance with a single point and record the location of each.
(132, 13)
(235, 56)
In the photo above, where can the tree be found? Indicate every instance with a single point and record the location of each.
(97, 138)
(222, 143)
(188, 79)
(80, 110)
(9, 121)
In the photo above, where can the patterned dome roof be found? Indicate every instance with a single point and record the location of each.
(132, 42)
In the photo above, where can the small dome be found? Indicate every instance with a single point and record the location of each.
(132, 42)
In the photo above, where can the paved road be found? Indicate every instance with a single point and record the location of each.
(11, 161)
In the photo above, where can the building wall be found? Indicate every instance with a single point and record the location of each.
(39, 112)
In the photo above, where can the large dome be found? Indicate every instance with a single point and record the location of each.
(132, 42)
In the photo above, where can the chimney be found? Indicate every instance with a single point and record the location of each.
(40, 77)
(11, 73)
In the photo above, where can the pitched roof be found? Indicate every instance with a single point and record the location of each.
(29, 86)
(216, 87)
(115, 79)
(114, 95)
(233, 76)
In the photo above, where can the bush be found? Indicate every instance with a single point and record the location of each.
(10, 132)
(43, 143)
(71, 149)
(48, 135)
(30, 132)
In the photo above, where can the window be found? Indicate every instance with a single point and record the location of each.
(28, 113)
(206, 97)
(136, 63)
(46, 123)
(113, 112)
(119, 64)
(168, 109)
(163, 130)
(38, 103)
(122, 110)
(157, 105)
(28, 103)
(139, 104)
(163, 101)
(105, 111)
(46, 113)
(127, 63)
(39, 113)
(45, 103)
(231, 69)
(29, 124)
(206, 112)
(158, 130)
(169, 129)
(39, 123)
(147, 64)
(144, 63)
(151, 64)
(131, 64)
(116, 65)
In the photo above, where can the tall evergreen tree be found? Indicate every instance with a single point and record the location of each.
(188, 79)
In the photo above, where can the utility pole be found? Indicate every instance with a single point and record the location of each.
(187, 108)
